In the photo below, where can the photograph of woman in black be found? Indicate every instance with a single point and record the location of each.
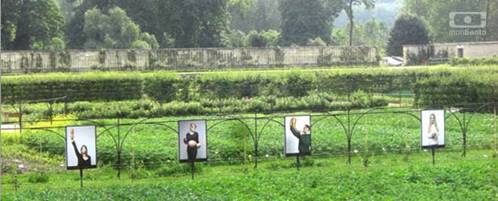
(84, 160)
(81, 148)
(192, 141)
(300, 133)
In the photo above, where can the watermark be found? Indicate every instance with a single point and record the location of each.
(468, 32)
(467, 23)
(469, 20)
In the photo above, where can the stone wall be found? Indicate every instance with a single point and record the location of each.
(417, 54)
(183, 59)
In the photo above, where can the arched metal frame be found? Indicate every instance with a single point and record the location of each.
(120, 140)
(464, 124)
(348, 126)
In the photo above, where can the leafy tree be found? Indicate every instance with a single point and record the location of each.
(31, 24)
(271, 37)
(492, 21)
(255, 39)
(10, 17)
(115, 30)
(234, 38)
(186, 23)
(436, 14)
(371, 33)
(307, 19)
(407, 30)
(255, 15)
(74, 30)
(316, 42)
(348, 8)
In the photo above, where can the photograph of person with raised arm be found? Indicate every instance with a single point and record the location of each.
(298, 135)
(81, 147)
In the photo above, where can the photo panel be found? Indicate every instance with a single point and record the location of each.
(81, 147)
(297, 135)
(432, 128)
(192, 140)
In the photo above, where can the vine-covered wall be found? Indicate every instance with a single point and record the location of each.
(183, 59)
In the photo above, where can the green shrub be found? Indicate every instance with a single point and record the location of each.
(39, 177)
(165, 87)
(176, 168)
(474, 61)
(76, 87)
(149, 108)
(457, 90)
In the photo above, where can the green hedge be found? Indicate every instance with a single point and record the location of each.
(457, 90)
(76, 87)
(474, 61)
(166, 87)
(150, 108)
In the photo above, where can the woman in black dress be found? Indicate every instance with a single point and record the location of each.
(192, 142)
(84, 160)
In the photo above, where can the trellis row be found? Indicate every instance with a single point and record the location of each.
(348, 121)
(183, 59)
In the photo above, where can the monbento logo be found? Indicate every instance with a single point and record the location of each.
(469, 20)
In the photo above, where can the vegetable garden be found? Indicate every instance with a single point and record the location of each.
(363, 116)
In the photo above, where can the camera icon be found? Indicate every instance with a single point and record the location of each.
(475, 20)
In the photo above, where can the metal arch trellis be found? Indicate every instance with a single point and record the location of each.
(120, 140)
(349, 126)
(464, 124)
(51, 131)
(21, 106)
(255, 134)
(258, 135)
(247, 127)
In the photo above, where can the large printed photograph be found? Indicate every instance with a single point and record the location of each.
(81, 150)
(432, 128)
(192, 141)
(297, 135)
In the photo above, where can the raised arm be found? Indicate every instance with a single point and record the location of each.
(71, 135)
(78, 154)
(295, 132)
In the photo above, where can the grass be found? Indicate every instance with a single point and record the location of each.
(387, 143)
(389, 177)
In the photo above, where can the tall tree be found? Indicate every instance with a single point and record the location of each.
(256, 15)
(10, 17)
(307, 19)
(202, 23)
(189, 23)
(115, 30)
(372, 33)
(74, 28)
(31, 24)
(348, 8)
(436, 15)
(407, 30)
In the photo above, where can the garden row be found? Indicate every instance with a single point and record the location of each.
(318, 102)
(388, 178)
(154, 145)
(165, 87)
(474, 61)
(457, 90)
